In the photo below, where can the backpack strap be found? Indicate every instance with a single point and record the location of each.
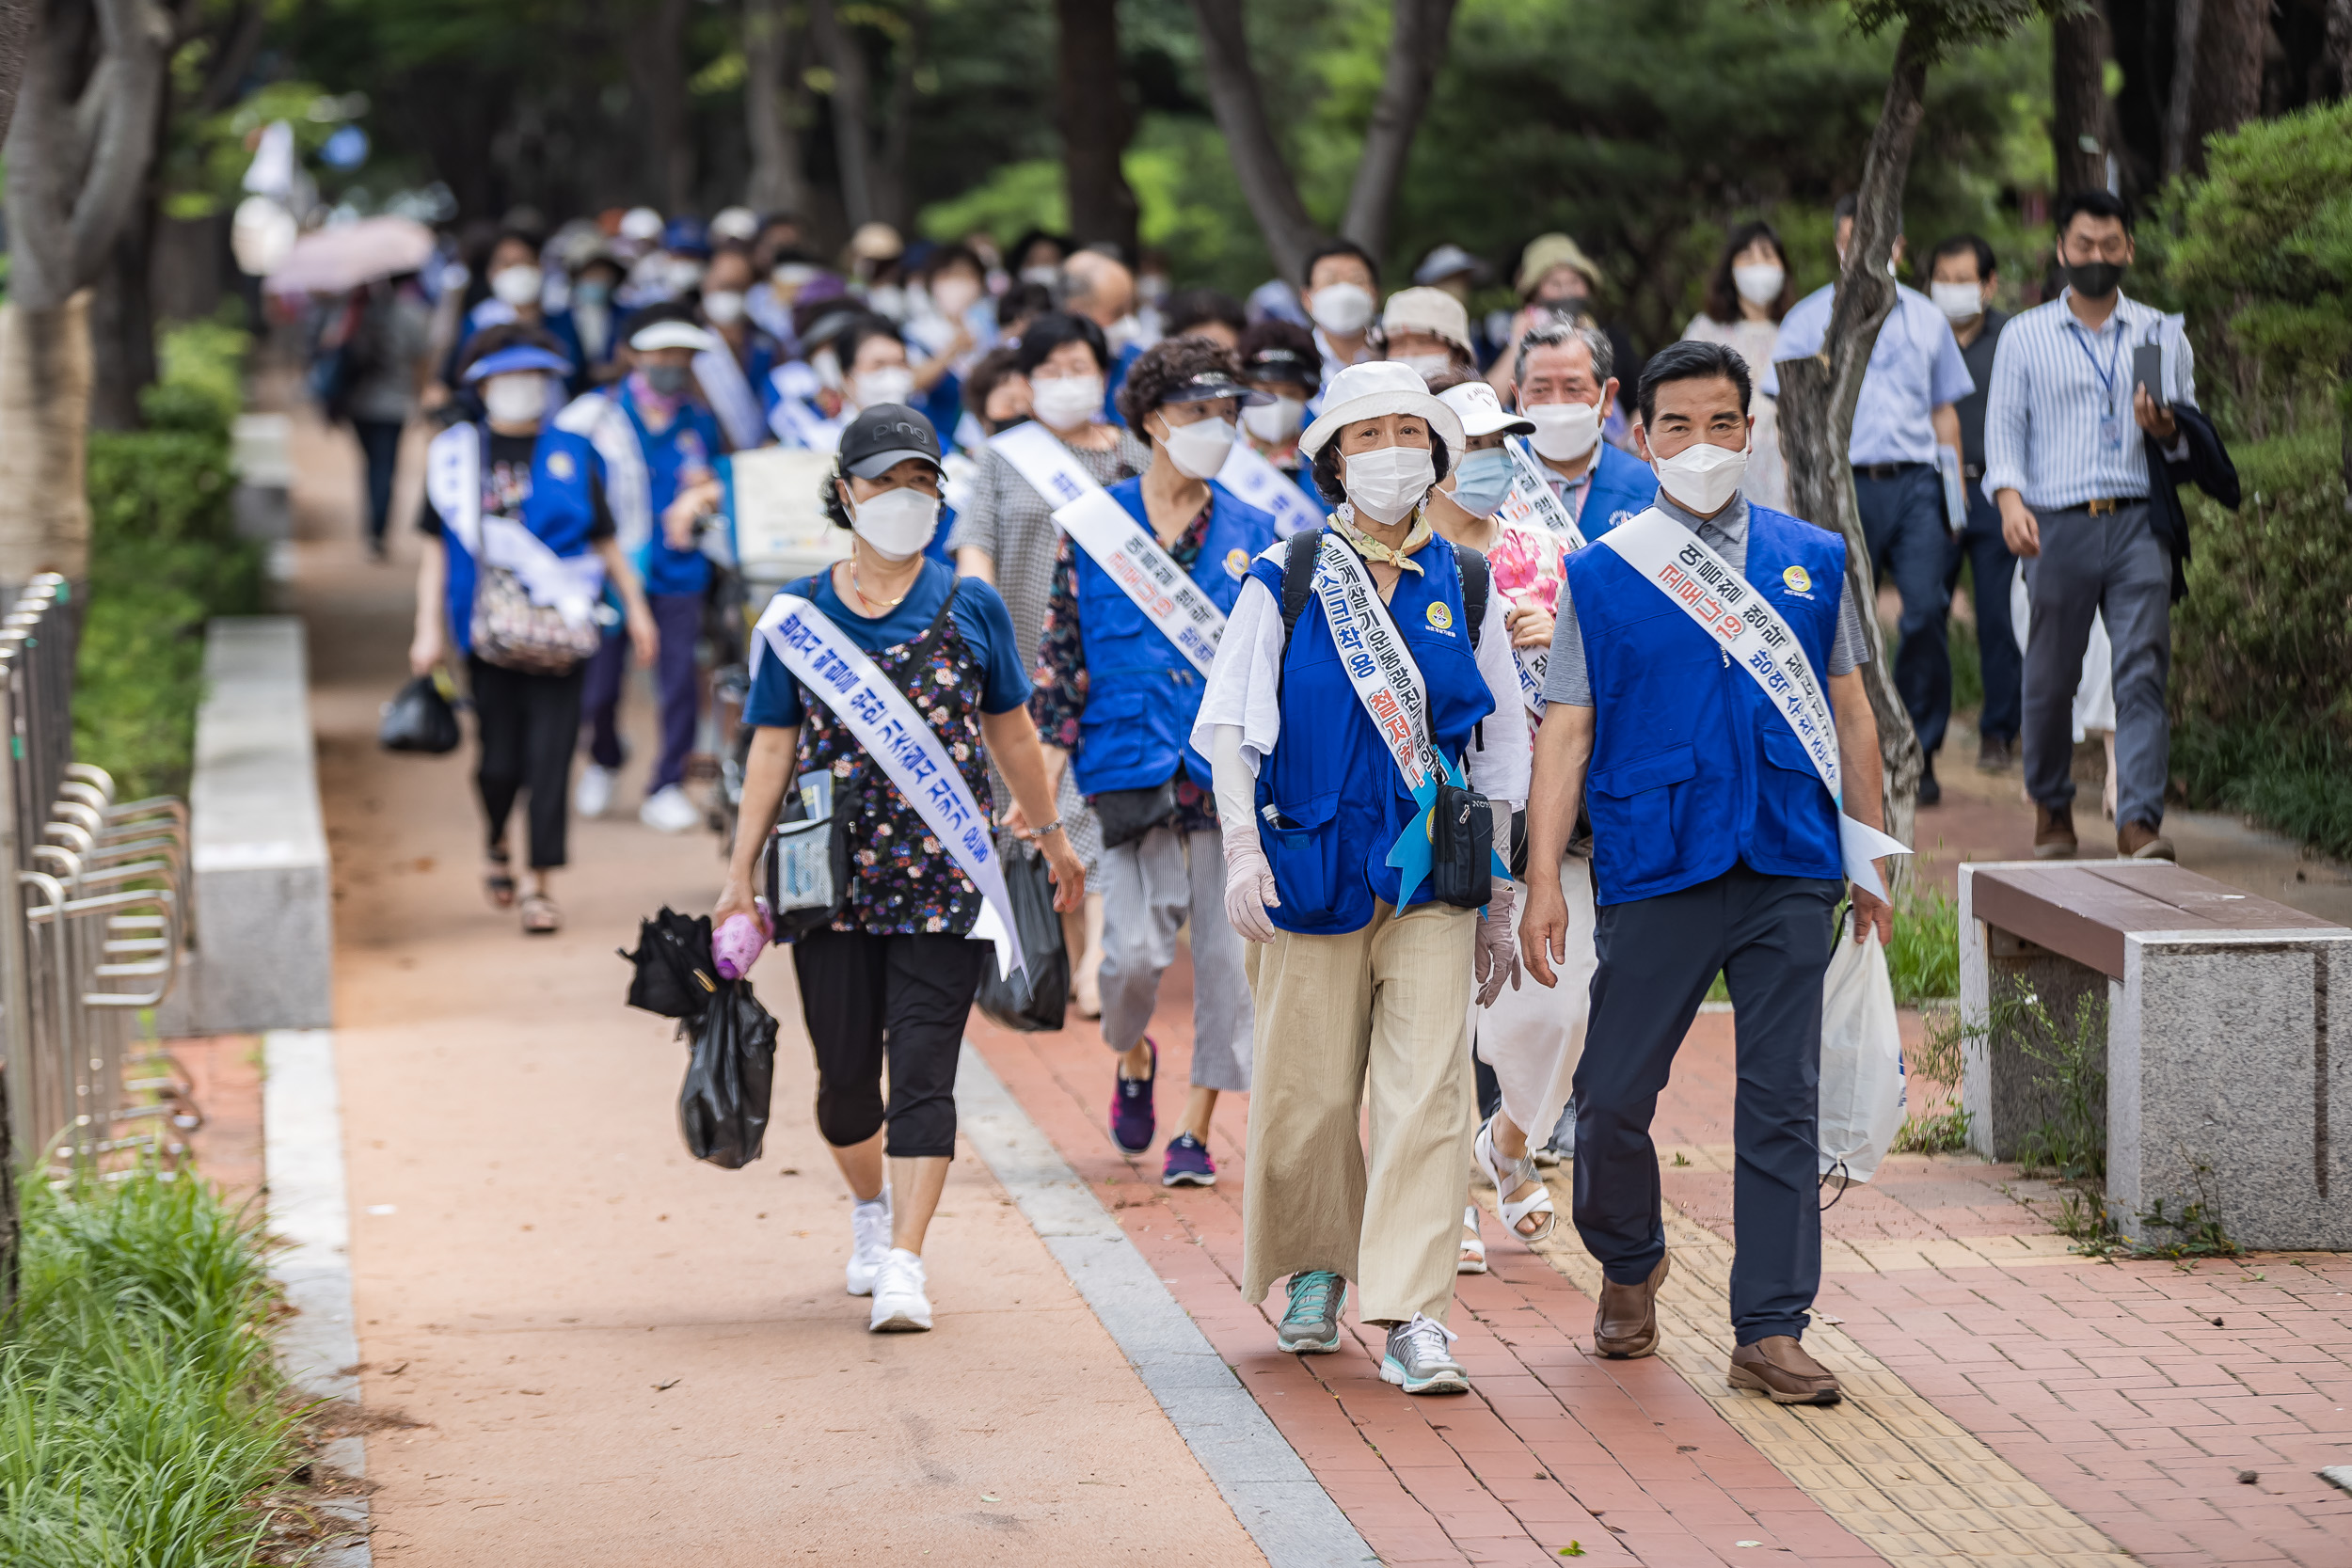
(1477, 578)
(1298, 578)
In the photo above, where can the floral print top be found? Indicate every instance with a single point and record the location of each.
(1529, 567)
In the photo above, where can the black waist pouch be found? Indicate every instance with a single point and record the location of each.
(1461, 847)
(1127, 814)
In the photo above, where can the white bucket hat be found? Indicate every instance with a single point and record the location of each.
(671, 334)
(1480, 411)
(1378, 387)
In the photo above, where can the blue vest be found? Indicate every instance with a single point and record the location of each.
(1622, 486)
(1339, 800)
(692, 437)
(1142, 694)
(559, 509)
(1692, 769)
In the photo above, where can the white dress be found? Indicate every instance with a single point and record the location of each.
(1767, 481)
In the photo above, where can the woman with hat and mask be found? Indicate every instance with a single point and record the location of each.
(1117, 686)
(1331, 740)
(889, 977)
(514, 495)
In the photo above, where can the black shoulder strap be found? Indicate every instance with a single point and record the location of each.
(939, 622)
(1298, 578)
(1477, 578)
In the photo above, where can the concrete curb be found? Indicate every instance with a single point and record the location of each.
(318, 1348)
(1269, 1488)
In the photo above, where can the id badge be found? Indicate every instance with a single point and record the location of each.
(2111, 431)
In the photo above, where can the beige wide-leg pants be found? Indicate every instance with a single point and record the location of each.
(1384, 1009)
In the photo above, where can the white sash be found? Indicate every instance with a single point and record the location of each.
(1531, 502)
(821, 656)
(452, 482)
(731, 397)
(1378, 665)
(628, 488)
(1165, 592)
(1753, 635)
(1257, 482)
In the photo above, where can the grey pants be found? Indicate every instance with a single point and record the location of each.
(1150, 887)
(2114, 566)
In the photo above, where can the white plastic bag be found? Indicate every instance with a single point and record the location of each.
(1862, 1059)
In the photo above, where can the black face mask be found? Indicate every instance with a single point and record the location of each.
(669, 380)
(2094, 279)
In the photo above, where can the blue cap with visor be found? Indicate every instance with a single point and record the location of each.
(509, 361)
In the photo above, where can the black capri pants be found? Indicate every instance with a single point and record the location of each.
(528, 725)
(868, 993)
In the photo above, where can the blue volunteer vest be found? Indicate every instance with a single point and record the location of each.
(1142, 695)
(559, 509)
(1339, 800)
(1622, 486)
(692, 437)
(1692, 770)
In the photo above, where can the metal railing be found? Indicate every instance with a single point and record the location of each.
(93, 915)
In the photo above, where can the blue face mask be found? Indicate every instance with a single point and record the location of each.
(1482, 479)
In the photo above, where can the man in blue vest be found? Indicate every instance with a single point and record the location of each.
(1564, 382)
(1715, 848)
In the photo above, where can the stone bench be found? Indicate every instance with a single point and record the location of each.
(2229, 1063)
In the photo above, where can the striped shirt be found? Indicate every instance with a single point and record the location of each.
(2057, 420)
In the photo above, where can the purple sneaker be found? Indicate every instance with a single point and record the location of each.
(1188, 1163)
(1132, 1119)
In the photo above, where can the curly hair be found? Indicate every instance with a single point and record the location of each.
(1166, 366)
(1326, 467)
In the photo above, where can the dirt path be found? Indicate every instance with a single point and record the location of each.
(617, 1356)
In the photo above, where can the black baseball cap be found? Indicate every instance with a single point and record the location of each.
(885, 436)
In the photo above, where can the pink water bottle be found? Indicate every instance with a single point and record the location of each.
(738, 942)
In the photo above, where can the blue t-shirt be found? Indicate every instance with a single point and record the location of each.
(980, 617)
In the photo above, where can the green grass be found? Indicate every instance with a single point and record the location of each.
(139, 1406)
(2296, 778)
(1923, 962)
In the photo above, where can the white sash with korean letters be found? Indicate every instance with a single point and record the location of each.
(1257, 482)
(1753, 635)
(822, 658)
(1165, 594)
(1531, 502)
(452, 482)
(1381, 669)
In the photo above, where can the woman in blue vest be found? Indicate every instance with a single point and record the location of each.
(1115, 699)
(1364, 982)
(527, 719)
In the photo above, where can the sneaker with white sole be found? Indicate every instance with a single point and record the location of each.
(667, 810)
(900, 1304)
(592, 792)
(1419, 1362)
(869, 1242)
(1311, 1326)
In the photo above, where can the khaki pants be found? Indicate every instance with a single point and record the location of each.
(1384, 1008)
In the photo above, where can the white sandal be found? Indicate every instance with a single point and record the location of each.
(1473, 1259)
(1519, 1173)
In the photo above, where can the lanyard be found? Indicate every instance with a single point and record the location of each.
(2115, 349)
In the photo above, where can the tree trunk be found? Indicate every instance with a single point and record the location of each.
(851, 94)
(16, 44)
(123, 330)
(2080, 116)
(45, 405)
(2180, 143)
(2228, 91)
(2339, 72)
(890, 159)
(1416, 47)
(656, 66)
(771, 90)
(1096, 123)
(1239, 104)
(1817, 406)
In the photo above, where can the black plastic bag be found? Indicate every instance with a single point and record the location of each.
(419, 720)
(676, 977)
(1035, 999)
(723, 1105)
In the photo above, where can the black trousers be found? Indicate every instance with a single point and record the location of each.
(869, 996)
(379, 444)
(1770, 938)
(527, 724)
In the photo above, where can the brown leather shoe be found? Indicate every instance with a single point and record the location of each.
(1627, 1324)
(1777, 1366)
(2054, 832)
(1996, 755)
(2137, 841)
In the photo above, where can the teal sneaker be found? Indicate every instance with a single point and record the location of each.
(1311, 1326)
(1419, 1362)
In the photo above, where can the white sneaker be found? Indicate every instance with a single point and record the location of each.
(668, 809)
(593, 792)
(869, 1242)
(899, 1303)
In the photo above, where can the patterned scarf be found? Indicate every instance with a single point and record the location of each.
(1373, 549)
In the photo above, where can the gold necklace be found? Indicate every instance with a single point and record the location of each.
(863, 598)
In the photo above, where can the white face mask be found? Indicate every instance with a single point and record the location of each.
(884, 384)
(1341, 307)
(1702, 476)
(897, 523)
(518, 286)
(723, 306)
(1387, 484)
(520, 398)
(1044, 276)
(1565, 431)
(1066, 402)
(1198, 449)
(1425, 365)
(1759, 283)
(791, 275)
(953, 296)
(1274, 423)
(1959, 302)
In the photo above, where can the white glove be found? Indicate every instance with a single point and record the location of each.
(1498, 955)
(1250, 887)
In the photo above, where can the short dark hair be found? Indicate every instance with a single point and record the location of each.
(1973, 245)
(986, 371)
(1338, 248)
(1693, 359)
(1848, 204)
(1029, 300)
(866, 325)
(1166, 366)
(1327, 465)
(1281, 337)
(1034, 237)
(2098, 203)
(954, 254)
(1047, 333)
(1723, 295)
(1190, 307)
